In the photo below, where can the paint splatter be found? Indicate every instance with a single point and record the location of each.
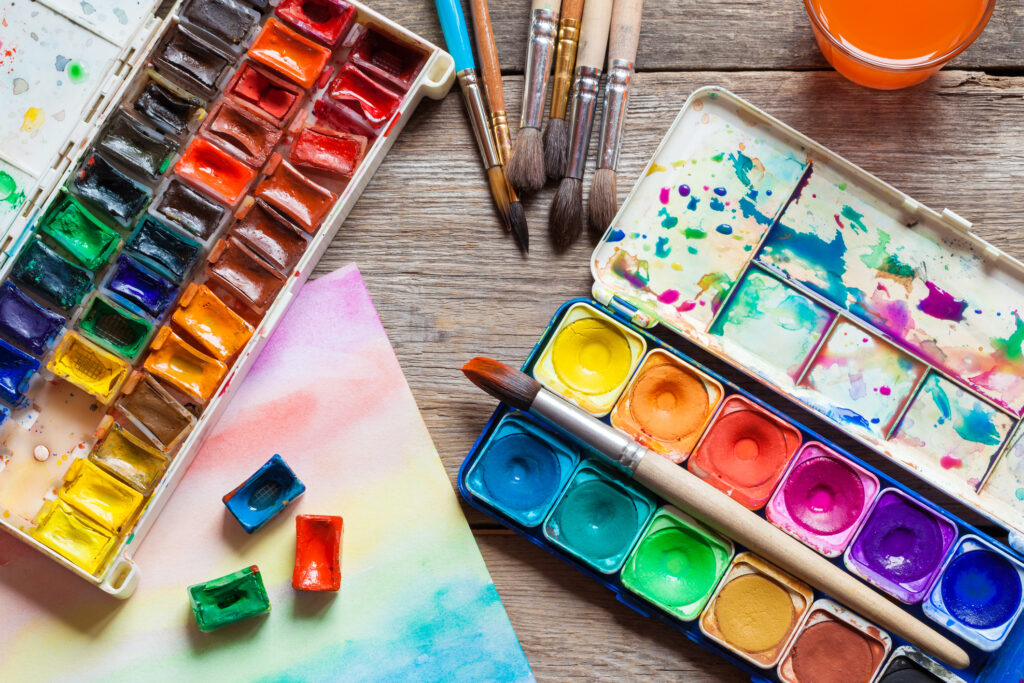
(77, 72)
(948, 462)
(720, 283)
(941, 304)
(616, 235)
(669, 296)
(61, 62)
(664, 195)
(667, 219)
(695, 233)
(661, 249)
(716, 204)
(742, 165)
(856, 219)
(720, 191)
(87, 9)
(684, 190)
(33, 120)
(20, 86)
(656, 168)
(122, 16)
(1011, 347)
(10, 194)
(884, 391)
(724, 229)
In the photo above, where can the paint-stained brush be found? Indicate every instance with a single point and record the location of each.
(556, 135)
(456, 35)
(526, 167)
(710, 505)
(567, 208)
(622, 41)
(490, 70)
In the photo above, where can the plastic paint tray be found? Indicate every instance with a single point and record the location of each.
(986, 666)
(115, 51)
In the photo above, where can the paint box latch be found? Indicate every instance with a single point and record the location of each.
(622, 309)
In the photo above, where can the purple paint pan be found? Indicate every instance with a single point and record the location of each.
(900, 546)
(822, 499)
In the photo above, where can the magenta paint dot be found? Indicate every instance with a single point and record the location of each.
(686, 306)
(668, 296)
(684, 190)
(949, 462)
(824, 495)
(664, 195)
(705, 188)
(885, 391)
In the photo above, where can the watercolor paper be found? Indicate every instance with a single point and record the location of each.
(115, 20)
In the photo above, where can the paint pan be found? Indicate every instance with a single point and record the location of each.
(128, 458)
(266, 493)
(139, 288)
(154, 411)
(317, 553)
(78, 233)
(98, 181)
(270, 235)
(185, 56)
(329, 151)
(244, 274)
(170, 108)
(864, 380)
(295, 195)
(163, 248)
(144, 150)
(213, 169)
(42, 271)
(88, 367)
(900, 546)
(183, 366)
(343, 119)
(355, 89)
(185, 207)
(114, 328)
(104, 499)
(74, 536)
(979, 594)
(598, 518)
(251, 138)
(834, 646)
(297, 58)
(16, 369)
(25, 322)
(745, 451)
(522, 469)
(909, 665)
(677, 563)
(220, 331)
(229, 599)
(327, 21)
(822, 499)
(227, 20)
(589, 359)
(396, 63)
(756, 610)
(265, 93)
(667, 405)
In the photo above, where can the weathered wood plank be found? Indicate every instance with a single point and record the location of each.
(716, 34)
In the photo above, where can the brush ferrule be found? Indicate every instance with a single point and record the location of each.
(502, 136)
(565, 60)
(477, 110)
(616, 91)
(588, 429)
(540, 48)
(581, 117)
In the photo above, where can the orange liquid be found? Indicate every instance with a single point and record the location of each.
(898, 33)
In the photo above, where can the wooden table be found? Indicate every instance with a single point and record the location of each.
(449, 284)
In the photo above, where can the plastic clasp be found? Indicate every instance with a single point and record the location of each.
(440, 75)
(621, 308)
(122, 579)
(955, 221)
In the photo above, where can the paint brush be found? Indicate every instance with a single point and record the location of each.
(567, 208)
(712, 506)
(622, 41)
(490, 69)
(556, 135)
(456, 35)
(526, 167)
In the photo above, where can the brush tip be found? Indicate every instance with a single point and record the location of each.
(526, 167)
(556, 148)
(504, 383)
(520, 230)
(566, 220)
(603, 201)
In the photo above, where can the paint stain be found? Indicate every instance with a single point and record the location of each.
(941, 304)
(724, 229)
(664, 195)
(20, 86)
(695, 233)
(669, 296)
(61, 62)
(948, 462)
(684, 190)
(10, 194)
(667, 219)
(87, 8)
(122, 16)
(662, 249)
(1012, 345)
(77, 72)
(856, 219)
(33, 120)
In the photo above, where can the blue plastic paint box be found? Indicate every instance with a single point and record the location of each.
(709, 244)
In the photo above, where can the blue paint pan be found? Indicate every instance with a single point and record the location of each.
(260, 497)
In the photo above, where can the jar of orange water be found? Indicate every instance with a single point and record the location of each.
(891, 44)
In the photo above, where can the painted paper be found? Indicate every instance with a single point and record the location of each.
(15, 185)
(115, 20)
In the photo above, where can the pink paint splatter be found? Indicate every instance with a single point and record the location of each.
(838, 222)
(686, 306)
(949, 462)
(668, 296)
(664, 195)
(884, 391)
(941, 304)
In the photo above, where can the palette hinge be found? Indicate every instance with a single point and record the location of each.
(955, 221)
(621, 308)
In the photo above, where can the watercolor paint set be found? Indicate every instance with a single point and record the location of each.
(599, 355)
(157, 241)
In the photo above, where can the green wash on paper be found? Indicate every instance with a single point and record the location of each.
(114, 328)
(90, 242)
(230, 598)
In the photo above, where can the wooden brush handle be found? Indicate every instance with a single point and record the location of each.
(725, 515)
(572, 9)
(594, 33)
(551, 5)
(625, 30)
(487, 51)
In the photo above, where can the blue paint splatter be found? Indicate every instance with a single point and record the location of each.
(616, 236)
(748, 209)
(684, 190)
(720, 191)
(716, 204)
(840, 414)
(826, 260)
(661, 249)
(667, 219)
(742, 165)
(692, 206)
(724, 229)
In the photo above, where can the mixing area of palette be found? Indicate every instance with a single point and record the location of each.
(662, 561)
(886, 318)
(133, 294)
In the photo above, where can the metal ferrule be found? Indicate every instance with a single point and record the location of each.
(502, 136)
(616, 91)
(588, 429)
(581, 117)
(540, 49)
(477, 110)
(565, 60)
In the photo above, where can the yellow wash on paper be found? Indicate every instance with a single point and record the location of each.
(100, 496)
(75, 537)
(88, 366)
(33, 120)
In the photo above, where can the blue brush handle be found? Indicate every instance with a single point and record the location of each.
(456, 35)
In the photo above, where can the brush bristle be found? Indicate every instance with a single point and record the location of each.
(603, 201)
(502, 193)
(517, 216)
(556, 148)
(526, 167)
(567, 213)
(504, 383)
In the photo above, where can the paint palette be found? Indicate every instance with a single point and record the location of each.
(154, 231)
(665, 564)
(888, 319)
